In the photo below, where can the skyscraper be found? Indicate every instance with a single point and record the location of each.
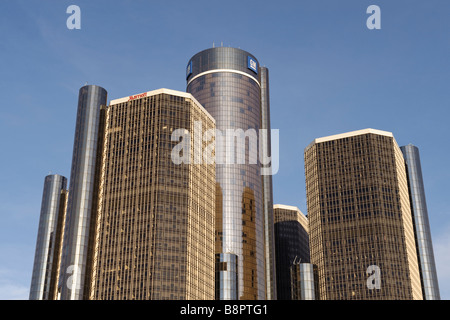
(233, 88)
(291, 245)
(140, 211)
(83, 194)
(430, 286)
(361, 225)
(48, 244)
(155, 224)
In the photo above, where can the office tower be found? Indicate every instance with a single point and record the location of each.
(83, 194)
(231, 86)
(304, 281)
(155, 223)
(360, 219)
(266, 145)
(291, 245)
(140, 215)
(430, 287)
(48, 245)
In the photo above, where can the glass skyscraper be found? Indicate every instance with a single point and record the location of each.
(360, 218)
(48, 244)
(138, 220)
(155, 224)
(233, 88)
(83, 193)
(291, 246)
(425, 252)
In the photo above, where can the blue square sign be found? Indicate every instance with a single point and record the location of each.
(252, 64)
(189, 69)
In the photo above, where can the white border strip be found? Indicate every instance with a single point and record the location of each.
(350, 134)
(224, 70)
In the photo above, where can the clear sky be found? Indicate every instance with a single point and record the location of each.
(328, 72)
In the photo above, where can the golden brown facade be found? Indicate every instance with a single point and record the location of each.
(361, 231)
(59, 246)
(250, 275)
(155, 224)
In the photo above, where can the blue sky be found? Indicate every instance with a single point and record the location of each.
(328, 73)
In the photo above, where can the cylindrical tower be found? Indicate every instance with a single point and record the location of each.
(269, 231)
(430, 287)
(47, 246)
(304, 284)
(82, 192)
(227, 82)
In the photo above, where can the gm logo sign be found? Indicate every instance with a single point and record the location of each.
(189, 69)
(252, 64)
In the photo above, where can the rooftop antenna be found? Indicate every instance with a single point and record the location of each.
(221, 43)
(213, 44)
(297, 261)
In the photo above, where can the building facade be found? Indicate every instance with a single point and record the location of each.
(430, 286)
(233, 88)
(361, 225)
(291, 246)
(49, 239)
(155, 223)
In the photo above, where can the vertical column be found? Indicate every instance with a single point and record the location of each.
(227, 278)
(267, 189)
(46, 255)
(304, 285)
(422, 231)
(82, 192)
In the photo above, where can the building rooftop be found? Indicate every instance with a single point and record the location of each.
(350, 134)
(161, 91)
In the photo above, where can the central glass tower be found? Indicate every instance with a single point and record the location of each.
(231, 86)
